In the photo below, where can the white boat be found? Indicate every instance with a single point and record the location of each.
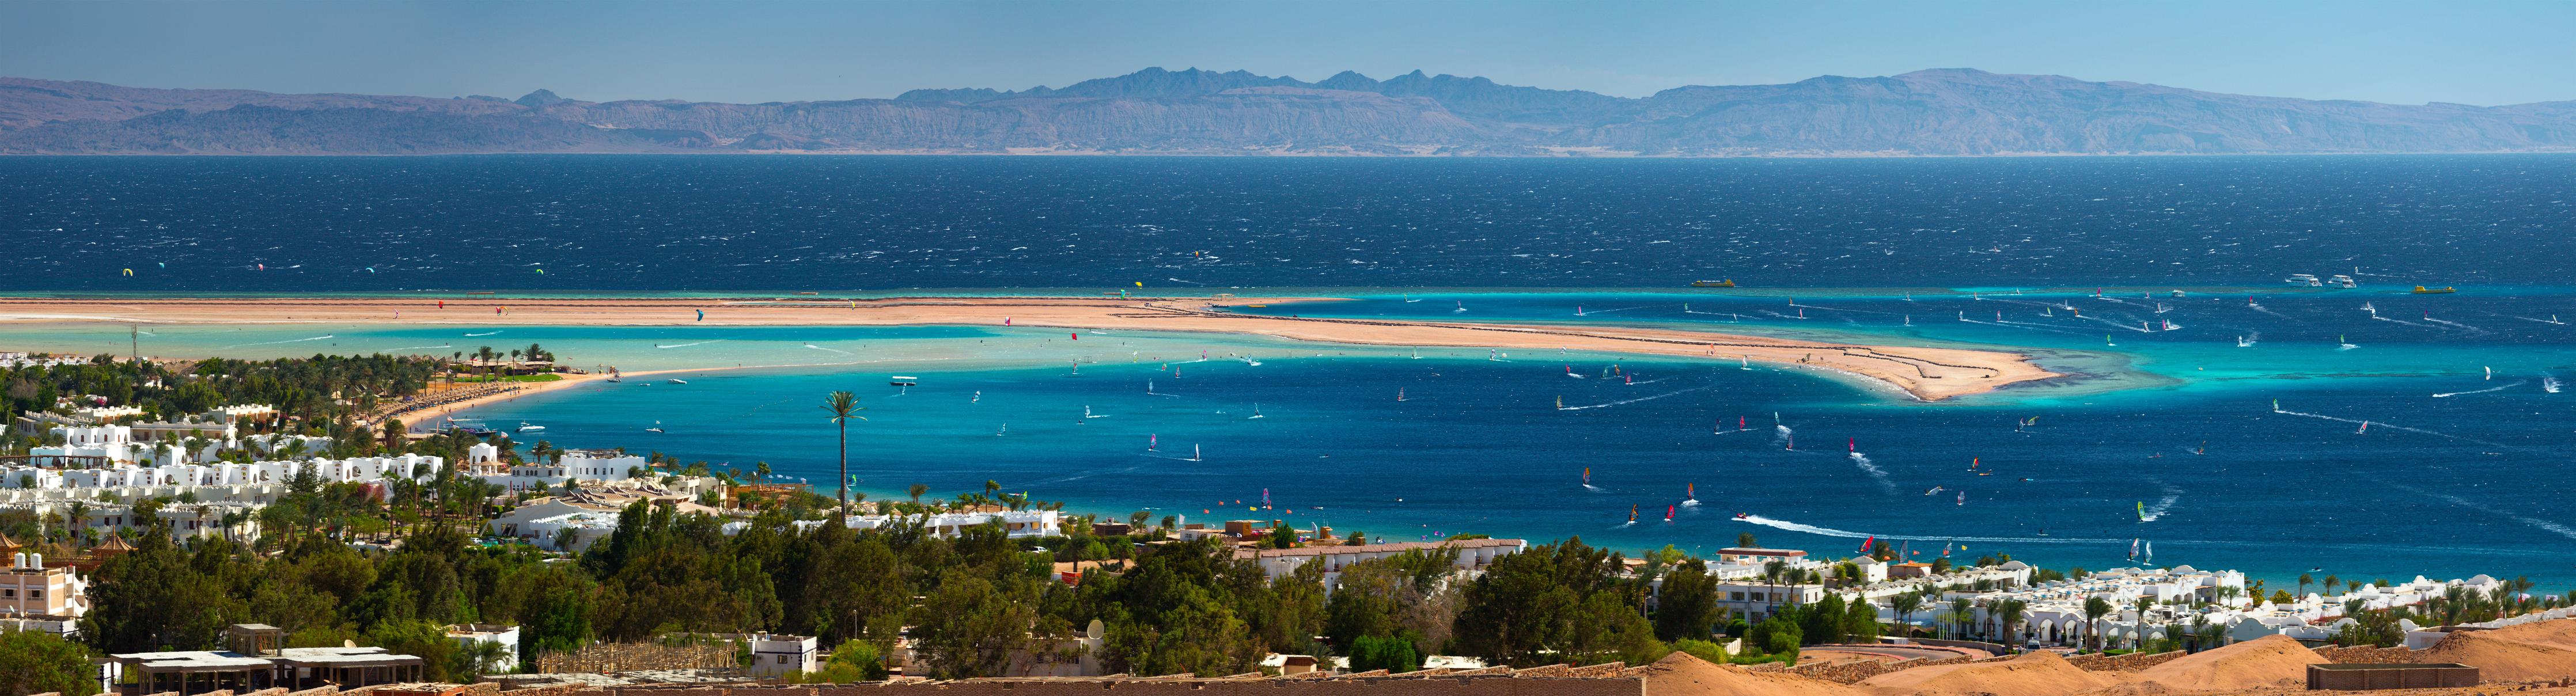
(526, 428)
(676, 380)
(657, 427)
(1256, 412)
(2303, 279)
(2342, 281)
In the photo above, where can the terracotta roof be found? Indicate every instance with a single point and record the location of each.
(115, 543)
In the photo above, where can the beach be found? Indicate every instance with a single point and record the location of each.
(1928, 374)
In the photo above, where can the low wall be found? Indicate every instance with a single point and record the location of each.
(2130, 662)
(2365, 655)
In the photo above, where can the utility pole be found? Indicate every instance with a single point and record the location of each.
(134, 342)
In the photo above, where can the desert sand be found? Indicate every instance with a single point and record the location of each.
(1680, 674)
(2032, 674)
(2536, 650)
(1929, 374)
(2262, 662)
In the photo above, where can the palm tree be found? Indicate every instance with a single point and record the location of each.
(80, 519)
(1962, 614)
(2011, 612)
(2331, 582)
(1905, 604)
(2304, 579)
(917, 490)
(843, 406)
(2094, 609)
(761, 468)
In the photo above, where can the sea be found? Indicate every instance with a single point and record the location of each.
(2210, 412)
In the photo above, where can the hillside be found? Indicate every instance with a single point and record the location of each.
(1156, 111)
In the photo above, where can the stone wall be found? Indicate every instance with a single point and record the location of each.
(1408, 686)
(2130, 662)
(599, 658)
(2365, 654)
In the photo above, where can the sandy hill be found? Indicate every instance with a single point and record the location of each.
(2034, 674)
(2537, 650)
(1679, 674)
(2267, 661)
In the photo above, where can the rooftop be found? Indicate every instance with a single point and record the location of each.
(1398, 547)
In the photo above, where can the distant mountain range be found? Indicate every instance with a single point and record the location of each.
(1157, 111)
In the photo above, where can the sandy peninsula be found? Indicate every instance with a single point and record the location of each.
(1929, 374)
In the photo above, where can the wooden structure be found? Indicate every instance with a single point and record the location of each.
(2373, 677)
(259, 659)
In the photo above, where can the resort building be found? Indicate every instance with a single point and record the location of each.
(573, 521)
(36, 598)
(471, 637)
(259, 482)
(584, 466)
(1019, 524)
(1473, 556)
(258, 660)
(776, 655)
(1746, 562)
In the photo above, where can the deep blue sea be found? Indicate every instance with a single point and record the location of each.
(646, 223)
(2463, 469)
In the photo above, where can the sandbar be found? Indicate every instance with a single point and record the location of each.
(1929, 374)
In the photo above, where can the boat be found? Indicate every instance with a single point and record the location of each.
(903, 381)
(1399, 393)
(1152, 441)
(2142, 511)
(1194, 453)
(657, 427)
(526, 428)
(676, 380)
(2177, 293)
(1690, 494)
(2303, 279)
(1256, 412)
(1713, 283)
(2444, 290)
(1006, 428)
(1668, 513)
(1742, 515)
(1462, 306)
(1587, 476)
(1632, 514)
(1963, 497)
(2342, 281)
(1560, 402)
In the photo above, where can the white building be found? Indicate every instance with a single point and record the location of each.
(469, 636)
(775, 655)
(1473, 556)
(1019, 524)
(585, 466)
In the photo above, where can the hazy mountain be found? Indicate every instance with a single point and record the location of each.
(1930, 112)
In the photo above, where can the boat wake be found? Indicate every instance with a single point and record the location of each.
(1844, 309)
(2249, 304)
(1786, 525)
(442, 345)
(2031, 327)
(1862, 461)
(685, 345)
(2544, 525)
(1623, 402)
(2549, 385)
(2139, 329)
(2163, 505)
(2385, 424)
(2473, 331)
(816, 347)
(486, 333)
(271, 343)
(2447, 395)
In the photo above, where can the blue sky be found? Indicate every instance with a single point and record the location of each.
(2401, 52)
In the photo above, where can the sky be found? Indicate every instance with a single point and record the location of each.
(2484, 53)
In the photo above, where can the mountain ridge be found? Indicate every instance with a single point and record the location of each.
(1933, 112)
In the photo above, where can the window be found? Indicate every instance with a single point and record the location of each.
(35, 594)
(8, 594)
(1737, 596)
(782, 659)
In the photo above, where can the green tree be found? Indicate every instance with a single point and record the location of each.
(1905, 605)
(33, 662)
(1392, 653)
(1687, 607)
(843, 406)
(1556, 602)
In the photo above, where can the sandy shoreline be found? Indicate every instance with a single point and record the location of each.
(1930, 374)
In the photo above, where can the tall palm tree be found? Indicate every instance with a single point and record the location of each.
(761, 468)
(2011, 612)
(843, 406)
(917, 491)
(2094, 609)
(1905, 605)
(2304, 579)
(1962, 614)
